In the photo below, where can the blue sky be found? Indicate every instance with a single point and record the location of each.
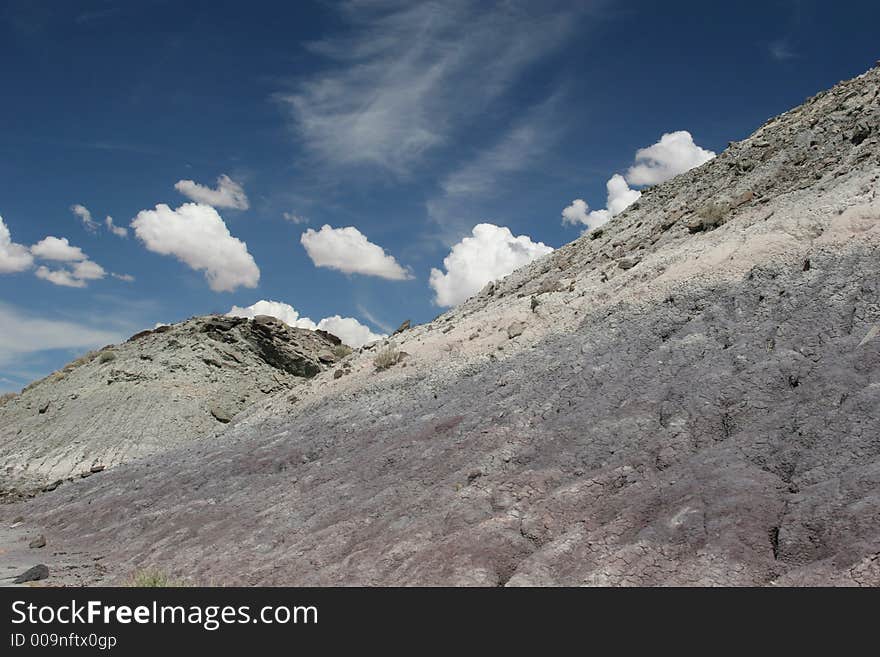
(410, 123)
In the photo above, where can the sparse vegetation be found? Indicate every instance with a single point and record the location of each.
(61, 374)
(710, 216)
(9, 396)
(82, 360)
(714, 212)
(341, 351)
(106, 356)
(387, 357)
(151, 578)
(548, 285)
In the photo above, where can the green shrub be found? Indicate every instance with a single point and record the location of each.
(341, 351)
(106, 356)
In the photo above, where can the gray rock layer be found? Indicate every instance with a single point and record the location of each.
(706, 413)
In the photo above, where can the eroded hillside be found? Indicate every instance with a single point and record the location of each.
(687, 397)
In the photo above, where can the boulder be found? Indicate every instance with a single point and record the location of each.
(221, 414)
(327, 357)
(33, 574)
(335, 341)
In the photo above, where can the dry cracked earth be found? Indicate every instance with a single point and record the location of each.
(690, 396)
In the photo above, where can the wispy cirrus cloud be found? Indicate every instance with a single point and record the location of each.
(781, 50)
(295, 219)
(385, 326)
(23, 333)
(92, 226)
(516, 150)
(228, 194)
(85, 216)
(487, 174)
(119, 231)
(407, 76)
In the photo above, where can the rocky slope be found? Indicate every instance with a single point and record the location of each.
(156, 391)
(689, 396)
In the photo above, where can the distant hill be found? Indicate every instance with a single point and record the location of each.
(159, 390)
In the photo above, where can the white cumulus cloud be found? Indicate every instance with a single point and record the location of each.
(576, 213)
(61, 277)
(197, 236)
(77, 275)
(675, 153)
(13, 257)
(283, 311)
(348, 250)
(77, 269)
(58, 249)
(490, 253)
(347, 329)
(229, 194)
(85, 217)
(620, 197)
(88, 271)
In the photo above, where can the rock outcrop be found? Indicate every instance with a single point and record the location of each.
(692, 400)
(154, 392)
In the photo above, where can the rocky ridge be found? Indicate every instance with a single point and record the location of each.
(159, 389)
